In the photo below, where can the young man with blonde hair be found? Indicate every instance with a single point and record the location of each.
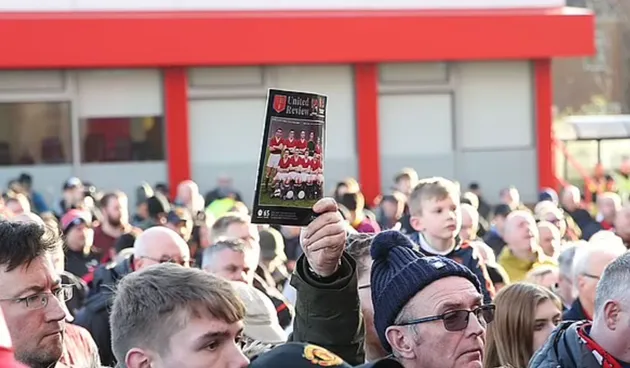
(436, 217)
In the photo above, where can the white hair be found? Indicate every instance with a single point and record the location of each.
(613, 284)
(605, 244)
(472, 212)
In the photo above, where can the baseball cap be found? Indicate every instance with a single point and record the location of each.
(261, 320)
(73, 182)
(177, 215)
(298, 355)
(502, 210)
(72, 218)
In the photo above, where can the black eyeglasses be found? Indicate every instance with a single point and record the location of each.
(457, 320)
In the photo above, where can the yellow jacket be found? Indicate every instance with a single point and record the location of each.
(517, 268)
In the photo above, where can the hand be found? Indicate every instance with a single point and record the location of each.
(324, 239)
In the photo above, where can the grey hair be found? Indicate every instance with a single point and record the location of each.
(585, 252)
(565, 262)
(210, 254)
(220, 226)
(153, 304)
(614, 282)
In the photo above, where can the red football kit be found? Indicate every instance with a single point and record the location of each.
(275, 146)
(284, 164)
(302, 145)
(290, 144)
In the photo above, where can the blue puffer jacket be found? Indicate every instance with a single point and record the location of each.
(565, 349)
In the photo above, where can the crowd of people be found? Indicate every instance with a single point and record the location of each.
(432, 275)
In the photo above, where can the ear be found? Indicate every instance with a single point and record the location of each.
(137, 263)
(416, 223)
(580, 282)
(401, 342)
(137, 358)
(611, 314)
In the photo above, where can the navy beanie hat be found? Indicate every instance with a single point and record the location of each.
(399, 272)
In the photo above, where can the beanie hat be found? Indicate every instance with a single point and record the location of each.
(399, 272)
(548, 194)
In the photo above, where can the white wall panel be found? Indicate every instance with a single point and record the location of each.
(65, 5)
(225, 136)
(226, 77)
(226, 131)
(120, 93)
(416, 124)
(496, 105)
(410, 73)
(32, 81)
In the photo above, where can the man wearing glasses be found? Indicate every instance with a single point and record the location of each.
(156, 245)
(428, 311)
(32, 296)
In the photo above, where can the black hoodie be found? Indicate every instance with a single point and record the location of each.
(95, 315)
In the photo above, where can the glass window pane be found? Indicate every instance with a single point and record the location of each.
(35, 133)
(119, 139)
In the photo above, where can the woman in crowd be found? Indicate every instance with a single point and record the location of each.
(525, 316)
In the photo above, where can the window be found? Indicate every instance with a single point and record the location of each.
(35, 133)
(119, 139)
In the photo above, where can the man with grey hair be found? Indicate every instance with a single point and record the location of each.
(603, 342)
(565, 276)
(156, 245)
(588, 264)
(235, 255)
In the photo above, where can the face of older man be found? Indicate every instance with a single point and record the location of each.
(443, 342)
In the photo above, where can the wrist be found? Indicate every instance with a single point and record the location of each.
(324, 273)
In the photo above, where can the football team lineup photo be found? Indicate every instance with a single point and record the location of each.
(293, 174)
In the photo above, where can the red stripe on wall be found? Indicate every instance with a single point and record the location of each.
(170, 38)
(544, 124)
(177, 126)
(366, 103)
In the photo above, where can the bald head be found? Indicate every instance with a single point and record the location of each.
(158, 245)
(622, 222)
(550, 237)
(571, 197)
(470, 222)
(521, 233)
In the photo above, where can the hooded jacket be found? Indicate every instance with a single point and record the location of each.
(94, 317)
(565, 348)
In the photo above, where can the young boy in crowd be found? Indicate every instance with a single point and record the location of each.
(434, 206)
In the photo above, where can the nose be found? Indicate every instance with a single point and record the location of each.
(236, 358)
(55, 310)
(475, 326)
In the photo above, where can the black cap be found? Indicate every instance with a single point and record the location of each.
(71, 183)
(158, 204)
(298, 355)
(177, 215)
(502, 210)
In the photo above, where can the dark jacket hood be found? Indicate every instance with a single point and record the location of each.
(104, 284)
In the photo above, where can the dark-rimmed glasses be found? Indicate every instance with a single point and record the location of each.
(40, 300)
(457, 320)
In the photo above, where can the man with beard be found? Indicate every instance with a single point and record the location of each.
(115, 209)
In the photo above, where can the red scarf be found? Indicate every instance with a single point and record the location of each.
(601, 356)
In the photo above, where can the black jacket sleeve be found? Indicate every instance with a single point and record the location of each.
(97, 323)
(327, 312)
